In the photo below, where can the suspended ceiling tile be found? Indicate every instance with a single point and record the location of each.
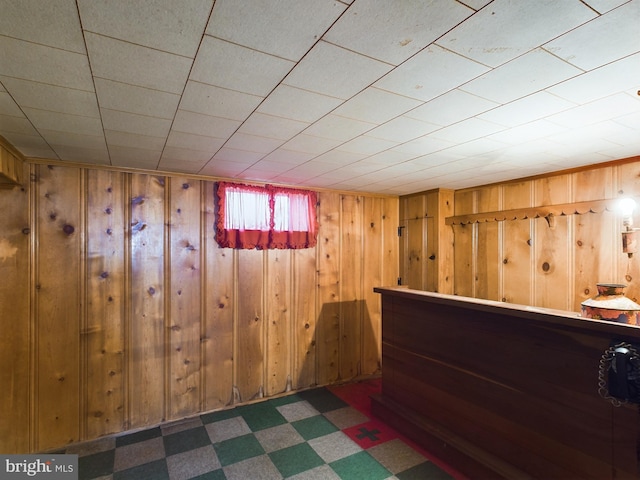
(615, 77)
(240, 156)
(401, 32)
(52, 98)
(46, 65)
(138, 100)
(181, 166)
(26, 142)
(166, 25)
(199, 124)
(527, 109)
(527, 132)
(133, 123)
(338, 157)
(506, 29)
(423, 145)
(402, 129)
(175, 156)
(310, 144)
(376, 106)
(430, 73)
(389, 157)
(131, 140)
(218, 102)
(297, 104)
(603, 6)
(367, 145)
(289, 157)
(284, 28)
(476, 4)
(527, 74)
(55, 24)
(338, 128)
(588, 47)
(82, 154)
(335, 71)
(604, 109)
(452, 107)
(272, 127)
(480, 146)
(54, 137)
(136, 65)
(9, 107)
(134, 157)
(199, 143)
(63, 122)
(245, 70)
(467, 130)
(223, 168)
(253, 143)
(16, 124)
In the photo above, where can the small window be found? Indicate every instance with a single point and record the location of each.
(265, 217)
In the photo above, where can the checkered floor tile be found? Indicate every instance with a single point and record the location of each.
(309, 435)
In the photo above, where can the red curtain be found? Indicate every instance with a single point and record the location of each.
(265, 217)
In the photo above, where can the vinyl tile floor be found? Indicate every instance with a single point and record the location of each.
(324, 433)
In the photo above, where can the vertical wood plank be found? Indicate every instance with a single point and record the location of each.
(58, 306)
(372, 275)
(552, 246)
(464, 253)
(488, 258)
(351, 308)
(595, 235)
(104, 333)
(517, 252)
(305, 317)
(250, 354)
(146, 359)
(184, 296)
(627, 181)
(219, 313)
(415, 241)
(390, 241)
(15, 348)
(328, 324)
(278, 321)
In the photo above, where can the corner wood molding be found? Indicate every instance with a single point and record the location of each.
(546, 211)
(11, 165)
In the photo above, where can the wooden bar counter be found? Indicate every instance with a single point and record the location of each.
(504, 391)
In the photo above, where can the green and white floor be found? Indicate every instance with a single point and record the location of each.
(324, 433)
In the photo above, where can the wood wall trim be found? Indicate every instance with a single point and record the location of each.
(546, 211)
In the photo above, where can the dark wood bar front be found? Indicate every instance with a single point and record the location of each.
(504, 391)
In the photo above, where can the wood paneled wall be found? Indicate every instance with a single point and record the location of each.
(553, 263)
(120, 311)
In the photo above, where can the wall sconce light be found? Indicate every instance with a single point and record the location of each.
(626, 206)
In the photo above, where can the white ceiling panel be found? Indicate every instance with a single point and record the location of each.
(601, 82)
(164, 25)
(133, 123)
(387, 97)
(283, 28)
(135, 65)
(130, 98)
(401, 32)
(52, 98)
(530, 73)
(245, 70)
(297, 104)
(218, 102)
(431, 73)
(506, 29)
(63, 122)
(55, 24)
(44, 64)
(588, 47)
(207, 125)
(452, 107)
(376, 106)
(335, 71)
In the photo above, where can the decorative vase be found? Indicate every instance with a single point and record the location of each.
(611, 304)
